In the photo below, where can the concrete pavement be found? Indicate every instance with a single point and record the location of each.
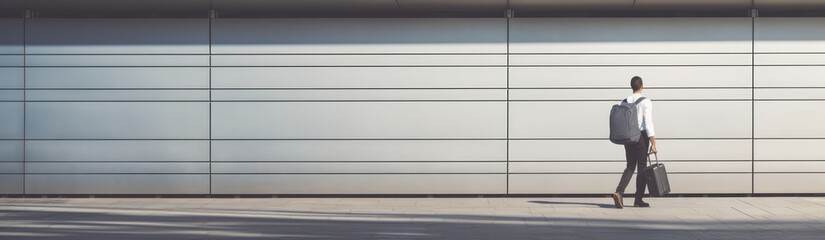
(783, 218)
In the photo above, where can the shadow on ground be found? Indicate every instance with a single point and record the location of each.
(574, 203)
(56, 221)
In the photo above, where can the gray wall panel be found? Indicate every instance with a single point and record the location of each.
(359, 184)
(11, 95)
(11, 183)
(329, 6)
(117, 77)
(107, 120)
(530, 119)
(789, 167)
(382, 168)
(630, 35)
(790, 93)
(685, 150)
(11, 151)
(11, 167)
(788, 182)
(11, 78)
(583, 150)
(115, 168)
(360, 35)
(789, 76)
(788, 119)
(120, 150)
(117, 184)
(777, 35)
(117, 35)
(359, 120)
(354, 95)
(11, 117)
(683, 119)
(360, 150)
(564, 150)
(11, 36)
(362, 77)
(523, 5)
(117, 95)
(620, 94)
(11, 60)
(357, 60)
(587, 119)
(789, 149)
(797, 59)
(117, 60)
(619, 76)
(588, 60)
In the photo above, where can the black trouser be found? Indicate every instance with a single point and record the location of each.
(636, 155)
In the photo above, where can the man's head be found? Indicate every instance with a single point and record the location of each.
(636, 84)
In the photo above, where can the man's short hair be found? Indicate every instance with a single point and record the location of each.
(636, 83)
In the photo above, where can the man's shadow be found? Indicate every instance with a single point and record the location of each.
(573, 203)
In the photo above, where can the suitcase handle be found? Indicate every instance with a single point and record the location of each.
(656, 155)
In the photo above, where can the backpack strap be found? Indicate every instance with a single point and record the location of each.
(638, 101)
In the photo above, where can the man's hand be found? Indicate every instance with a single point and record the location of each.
(653, 148)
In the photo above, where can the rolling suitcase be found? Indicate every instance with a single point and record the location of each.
(656, 177)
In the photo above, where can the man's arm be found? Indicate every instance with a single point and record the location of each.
(648, 115)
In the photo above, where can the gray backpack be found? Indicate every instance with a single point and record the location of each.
(624, 123)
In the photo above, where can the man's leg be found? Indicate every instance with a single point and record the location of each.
(641, 163)
(629, 168)
(626, 175)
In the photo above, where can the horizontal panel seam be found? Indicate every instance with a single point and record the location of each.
(375, 139)
(254, 139)
(382, 88)
(619, 173)
(628, 65)
(412, 100)
(256, 162)
(422, 161)
(626, 53)
(207, 173)
(253, 101)
(269, 54)
(264, 89)
(623, 161)
(256, 66)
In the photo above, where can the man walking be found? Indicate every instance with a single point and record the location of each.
(637, 153)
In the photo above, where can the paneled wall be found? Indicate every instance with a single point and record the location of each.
(566, 73)
(403, 106)
(789, 105)
(11, 106)
(117, 106)
(375, 106)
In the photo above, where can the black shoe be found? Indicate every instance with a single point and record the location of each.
(617, 200)
(641, 203)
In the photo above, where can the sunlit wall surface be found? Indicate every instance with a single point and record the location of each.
(404, 105)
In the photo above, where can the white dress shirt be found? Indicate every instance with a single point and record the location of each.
(645, 111)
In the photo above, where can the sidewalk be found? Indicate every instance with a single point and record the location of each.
(412, 218)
